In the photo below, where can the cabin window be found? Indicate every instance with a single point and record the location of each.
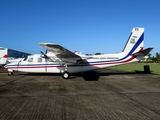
(30, 60)
(39, 60)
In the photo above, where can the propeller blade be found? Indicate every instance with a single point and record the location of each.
(44, 55)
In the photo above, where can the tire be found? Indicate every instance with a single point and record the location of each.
(65, 75)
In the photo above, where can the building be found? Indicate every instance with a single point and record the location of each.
(12, 54)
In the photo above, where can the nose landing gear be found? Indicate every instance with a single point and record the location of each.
(10, 73)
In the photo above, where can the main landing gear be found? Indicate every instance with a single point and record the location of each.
(65, 74)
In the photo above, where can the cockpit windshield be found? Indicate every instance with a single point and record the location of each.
(25, 58)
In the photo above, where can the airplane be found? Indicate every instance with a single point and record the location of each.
(3, 60)
(61, 60)
(6, 60)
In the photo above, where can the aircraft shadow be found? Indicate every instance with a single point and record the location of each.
(94, 75)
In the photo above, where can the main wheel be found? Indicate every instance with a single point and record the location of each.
(65, 75)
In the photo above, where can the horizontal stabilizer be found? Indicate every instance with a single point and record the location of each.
(143, 52)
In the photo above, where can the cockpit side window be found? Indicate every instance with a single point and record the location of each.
(39, 60)
(30, 60)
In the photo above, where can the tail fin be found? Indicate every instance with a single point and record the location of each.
(3, 60)
(135, 41)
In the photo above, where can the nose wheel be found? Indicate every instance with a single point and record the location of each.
(10, 73)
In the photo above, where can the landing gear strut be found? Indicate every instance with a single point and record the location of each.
(65, 74)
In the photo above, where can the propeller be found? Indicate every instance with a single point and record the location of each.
(44, 54)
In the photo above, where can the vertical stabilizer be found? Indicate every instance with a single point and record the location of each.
(135, 41)
(3, 60)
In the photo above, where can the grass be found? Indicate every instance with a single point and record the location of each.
(132, 67)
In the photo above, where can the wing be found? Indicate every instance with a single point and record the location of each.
(61, 52)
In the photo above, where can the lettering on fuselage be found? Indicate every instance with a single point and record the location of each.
(106, 58)
(112, 58)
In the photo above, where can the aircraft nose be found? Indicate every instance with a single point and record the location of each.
(10, 64)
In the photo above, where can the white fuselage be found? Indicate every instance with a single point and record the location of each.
(37, 64)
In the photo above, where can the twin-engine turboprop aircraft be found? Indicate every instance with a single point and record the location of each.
(61, 60)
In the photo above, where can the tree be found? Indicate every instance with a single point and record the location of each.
(149, 56)
(98, 53)
(157, 56)
(88, 54)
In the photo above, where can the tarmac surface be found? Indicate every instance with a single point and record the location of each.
(100, 95)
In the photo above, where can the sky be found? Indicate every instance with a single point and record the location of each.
(87, 26)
